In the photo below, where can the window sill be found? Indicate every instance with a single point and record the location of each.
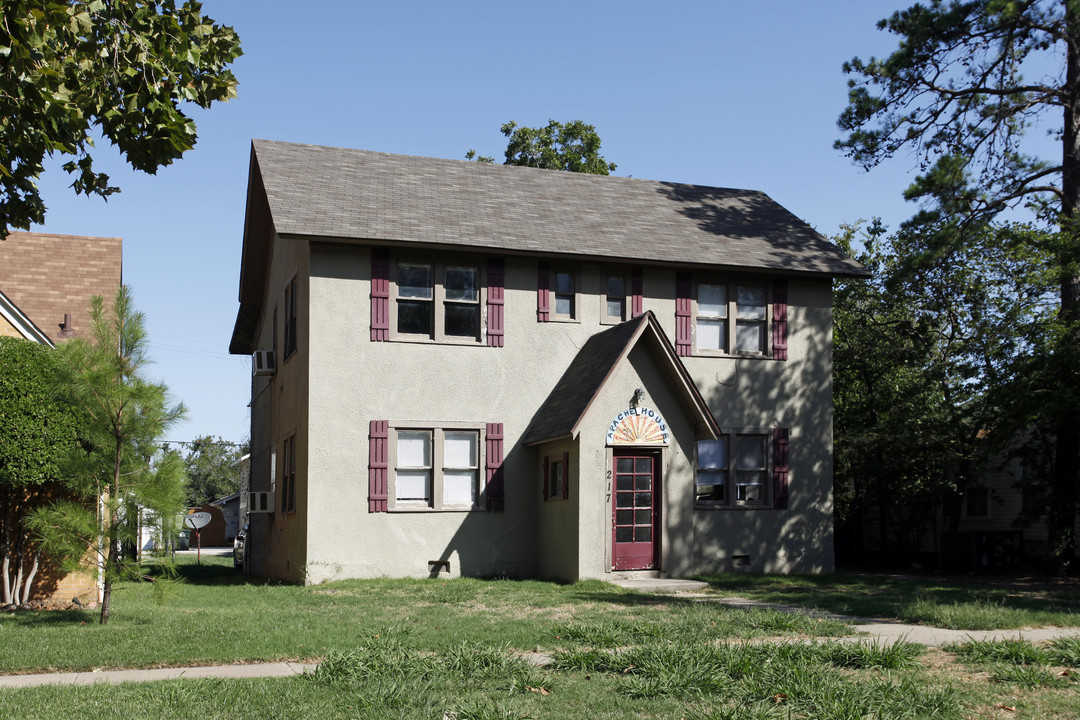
(730, 356)
(553, 319)
(421, 340)
(704, 506)
(422, 509)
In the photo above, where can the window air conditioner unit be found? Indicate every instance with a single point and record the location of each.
(262, 362)
(260, 502)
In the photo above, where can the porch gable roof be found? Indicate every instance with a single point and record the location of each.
(564, 410)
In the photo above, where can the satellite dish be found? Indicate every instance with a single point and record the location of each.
(197, 520)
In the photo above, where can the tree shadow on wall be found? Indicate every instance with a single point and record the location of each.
(801, 395)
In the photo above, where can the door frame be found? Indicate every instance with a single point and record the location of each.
(657, 454)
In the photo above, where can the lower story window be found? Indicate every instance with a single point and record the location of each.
(436, 468)
(733, 470)
(288, 475)
(555, 481)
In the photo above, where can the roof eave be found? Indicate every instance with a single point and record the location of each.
(254, 263)
(23, 324)
(850, 269)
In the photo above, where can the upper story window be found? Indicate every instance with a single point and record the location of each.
(273, 333)
(731, 319)
(564, 291)
(290, 318)
(613, 309)
(436, 301)
(558, 293)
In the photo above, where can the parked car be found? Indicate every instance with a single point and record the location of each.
(238, 549)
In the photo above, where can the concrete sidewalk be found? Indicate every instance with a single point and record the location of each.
(875, 631)
(113, 677)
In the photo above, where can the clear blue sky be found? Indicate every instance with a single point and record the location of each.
(724, 93)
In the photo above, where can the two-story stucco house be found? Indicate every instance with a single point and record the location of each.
(487, 370)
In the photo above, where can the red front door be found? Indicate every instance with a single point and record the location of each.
(636, 516)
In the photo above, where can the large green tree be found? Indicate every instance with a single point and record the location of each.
(211, 468)
(34, 427)
(965, 84)
(572, 146)
(74, 70)
(923, 351)
(119, 464)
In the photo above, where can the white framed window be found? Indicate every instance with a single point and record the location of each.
(436, 301)
(731, 318)
(273, 470)
(734, 470)
(435, 468)
(615, 300)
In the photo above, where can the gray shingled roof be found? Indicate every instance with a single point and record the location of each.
(583, 380)
(357, 194)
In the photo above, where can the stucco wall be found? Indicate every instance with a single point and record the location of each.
(352, 380)
(277, 541)
(559, 520)
(796, 394)
(641, 369)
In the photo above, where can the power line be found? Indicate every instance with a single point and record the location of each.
(203, 442)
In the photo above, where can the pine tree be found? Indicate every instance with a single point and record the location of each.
(118, 468)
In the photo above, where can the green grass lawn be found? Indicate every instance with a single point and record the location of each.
(961, 604)
(383, 678)
(454, 650)
(220, 616)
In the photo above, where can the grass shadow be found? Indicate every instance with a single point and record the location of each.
(967, 603)
(631, 599)
(39, 618)
(212, 570)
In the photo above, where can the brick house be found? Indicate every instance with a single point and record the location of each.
(46, 282)
(476, 369)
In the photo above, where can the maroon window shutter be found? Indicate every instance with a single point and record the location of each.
(543, 308)
(637, 292)
(547, 476)
(779, 327)
(494, 489)
(780, 468)
(380, 296)
(683, 321)
(378, 463)
(565, 475)
(495, 299)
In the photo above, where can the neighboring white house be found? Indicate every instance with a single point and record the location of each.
(475, 369)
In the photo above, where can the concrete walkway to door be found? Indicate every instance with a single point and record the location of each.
(870, 629)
